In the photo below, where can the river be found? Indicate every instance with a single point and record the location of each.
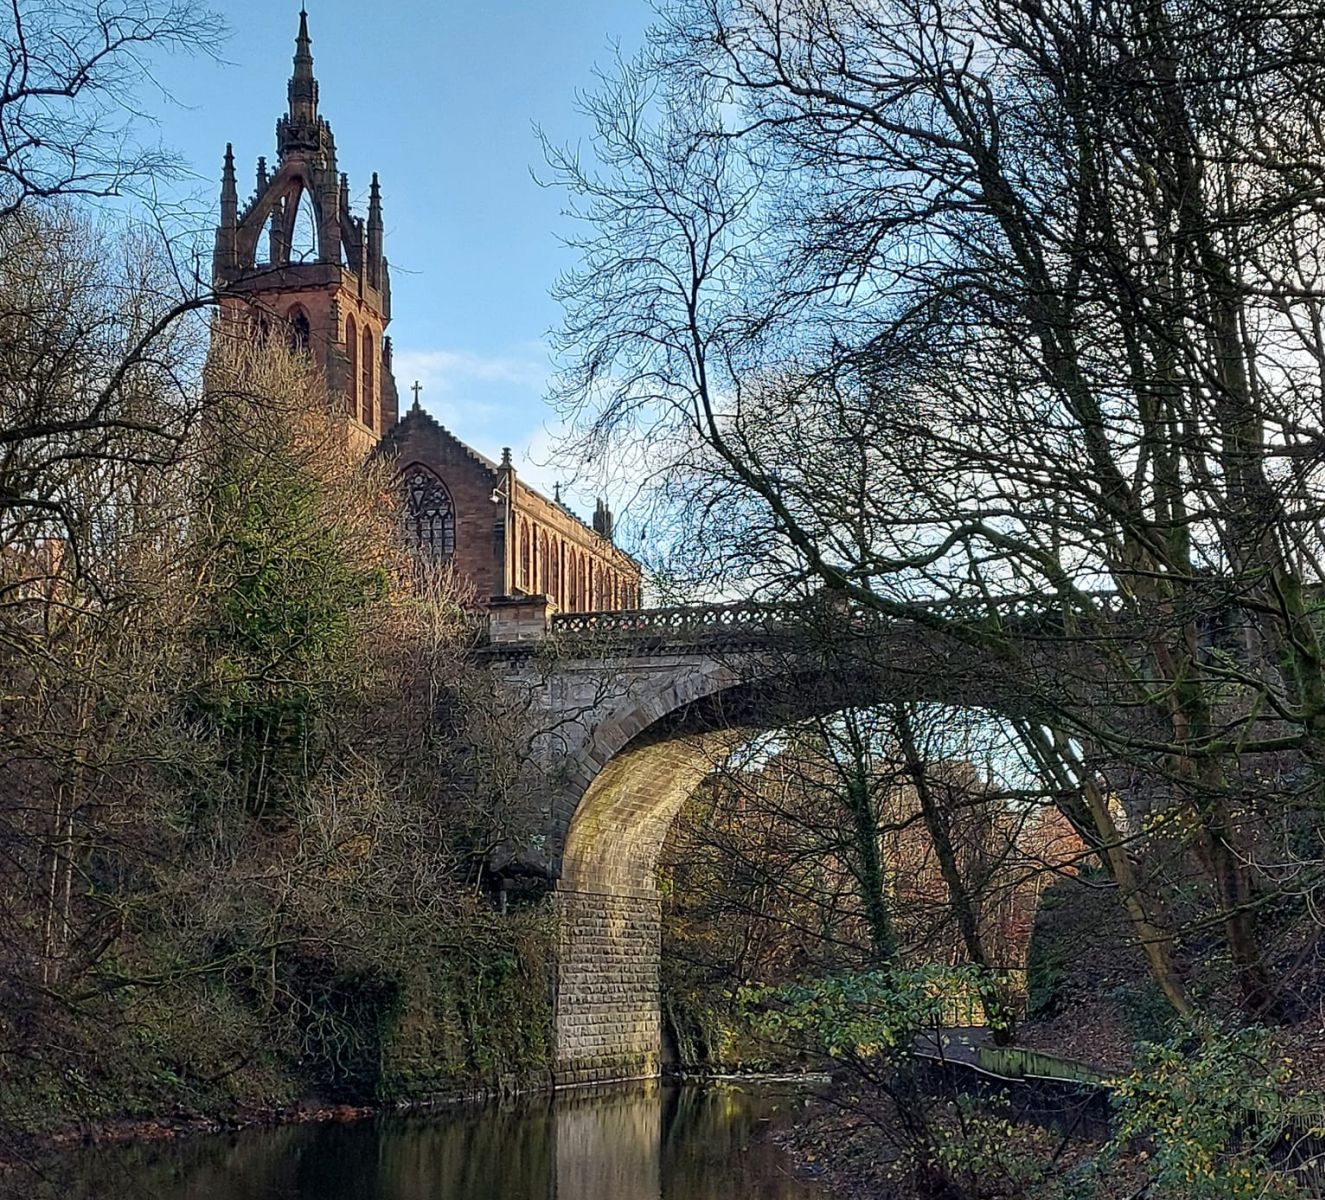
(643, 1142)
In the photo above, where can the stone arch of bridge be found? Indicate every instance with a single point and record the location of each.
(641, 759)
(640, 703)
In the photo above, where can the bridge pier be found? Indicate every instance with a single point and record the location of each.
(608, 1015)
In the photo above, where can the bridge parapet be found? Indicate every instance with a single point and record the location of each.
(700, 622)
(520, 623)
(680, 622)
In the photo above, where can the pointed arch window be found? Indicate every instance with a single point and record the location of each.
(368, 406)
(301, 331)
(352, 364)
(554, 575)
(301, 226)
(429, 513)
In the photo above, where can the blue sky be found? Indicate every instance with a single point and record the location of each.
(440, 99)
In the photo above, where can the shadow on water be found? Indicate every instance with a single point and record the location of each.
(642, 1143)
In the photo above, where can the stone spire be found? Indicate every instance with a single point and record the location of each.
(301, 128)
(303, 87)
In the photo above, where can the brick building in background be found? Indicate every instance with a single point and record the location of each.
(296, 257)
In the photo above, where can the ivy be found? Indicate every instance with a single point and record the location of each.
(278, 620)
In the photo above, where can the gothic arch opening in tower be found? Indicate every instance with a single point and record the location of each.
(301, 330)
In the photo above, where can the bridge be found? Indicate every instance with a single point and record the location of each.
(638, 707)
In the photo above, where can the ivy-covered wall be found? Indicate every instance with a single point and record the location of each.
(471, 1013)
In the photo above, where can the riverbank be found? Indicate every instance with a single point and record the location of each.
(863, 1152)
(469, 1018)
(123, 1130)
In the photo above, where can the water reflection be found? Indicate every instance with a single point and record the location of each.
(645, 1143)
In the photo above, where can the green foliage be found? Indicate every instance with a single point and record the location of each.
(1082, 951)
(342, 1022)
(870, 1014)
(1147, 1016)
(935, 1139)
(471, 1009)
(978, 1143)
(194, 1045)
(1046, 974)
(1210, 1107)
(476, 1011)
(711, 1033)
(277, 626)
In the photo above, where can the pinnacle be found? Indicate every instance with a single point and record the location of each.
(375, 205)
(229, 185)
(303, 85)
(303, 57)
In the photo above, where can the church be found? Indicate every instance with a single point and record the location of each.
(505, 540)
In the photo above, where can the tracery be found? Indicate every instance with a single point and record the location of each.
(429, 513)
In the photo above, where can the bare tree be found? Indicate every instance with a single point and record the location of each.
(85, 323)
(876, 839)
(71, 96)
(966, 302)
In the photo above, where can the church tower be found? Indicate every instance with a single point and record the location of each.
(296, 259)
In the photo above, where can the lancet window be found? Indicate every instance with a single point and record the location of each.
(368, 398)
(301, 332)
(352, 363)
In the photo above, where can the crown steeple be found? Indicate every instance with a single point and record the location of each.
(323, 271)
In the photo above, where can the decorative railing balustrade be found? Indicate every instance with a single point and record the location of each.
(689, 623)
(681, 621)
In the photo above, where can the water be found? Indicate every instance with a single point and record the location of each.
(640, 1143)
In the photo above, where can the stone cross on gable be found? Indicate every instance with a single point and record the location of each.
(417, 389)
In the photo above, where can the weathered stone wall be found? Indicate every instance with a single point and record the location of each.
(609, 1023)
